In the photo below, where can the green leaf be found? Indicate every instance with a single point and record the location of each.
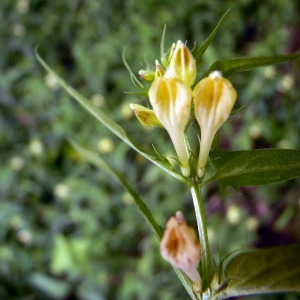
(62, 260)
(163, 54)
(198, 52)
(255, 167)
(134, 79)
(269, 270)
(53, 288)
(97, 161)
(69, 255)
(242, 64)
(108, 122)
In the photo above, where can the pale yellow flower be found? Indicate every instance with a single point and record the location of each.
(171, 101)
(145, 115)
(214, 98)
(182, 65)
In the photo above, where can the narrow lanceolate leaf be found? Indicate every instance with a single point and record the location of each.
(108, 122)
(255, 167)
(97, 161)
(198, 52)
(242, 64)
(269, 270)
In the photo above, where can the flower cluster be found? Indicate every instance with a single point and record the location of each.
(171, 96)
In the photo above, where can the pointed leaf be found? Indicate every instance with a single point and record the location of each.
(197, 53)
(255, 167)
(163, 54)
(51, 288)
(106, 121)
(97, 161)
(242, 64)
(269, 270)
(134, 79)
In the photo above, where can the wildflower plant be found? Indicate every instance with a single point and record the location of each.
(179, 95)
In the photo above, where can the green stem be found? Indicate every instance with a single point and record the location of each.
(206, 268)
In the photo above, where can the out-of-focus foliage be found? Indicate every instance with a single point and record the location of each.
(68, 231)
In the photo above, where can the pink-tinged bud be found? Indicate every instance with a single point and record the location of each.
(160, 71)
(145, 115)
(214, 98)
(181, 248)
(182, 64)
(171, 102)
(147, 75)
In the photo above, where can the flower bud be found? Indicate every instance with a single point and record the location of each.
(171, 102)
(181, 248)
(182, 64)
(147, 75)
(145, 115)
(214, 98)
(160, 71)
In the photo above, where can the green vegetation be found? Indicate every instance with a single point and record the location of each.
(70, 232)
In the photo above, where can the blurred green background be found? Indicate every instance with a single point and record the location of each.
(70, 232)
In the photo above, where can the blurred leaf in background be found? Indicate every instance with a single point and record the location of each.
(68, 231)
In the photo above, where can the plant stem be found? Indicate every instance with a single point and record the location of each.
(206, 269)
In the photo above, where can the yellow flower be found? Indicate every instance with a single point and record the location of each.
(182, 64)
(181, 248)
(214, 98)
(145, 115)
(171, 101)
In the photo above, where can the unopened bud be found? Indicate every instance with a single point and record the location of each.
(181, 248)
(182, 64)
(145, 115)
(171, 102)
(147, 75)
(214, 98)
(160, 71)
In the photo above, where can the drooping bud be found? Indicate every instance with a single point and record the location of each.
(182, 64)
(214, 98)
(171, 102)
(145, 115)
(181, 248)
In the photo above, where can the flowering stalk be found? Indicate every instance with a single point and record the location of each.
(206, 268)
(170, 96)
